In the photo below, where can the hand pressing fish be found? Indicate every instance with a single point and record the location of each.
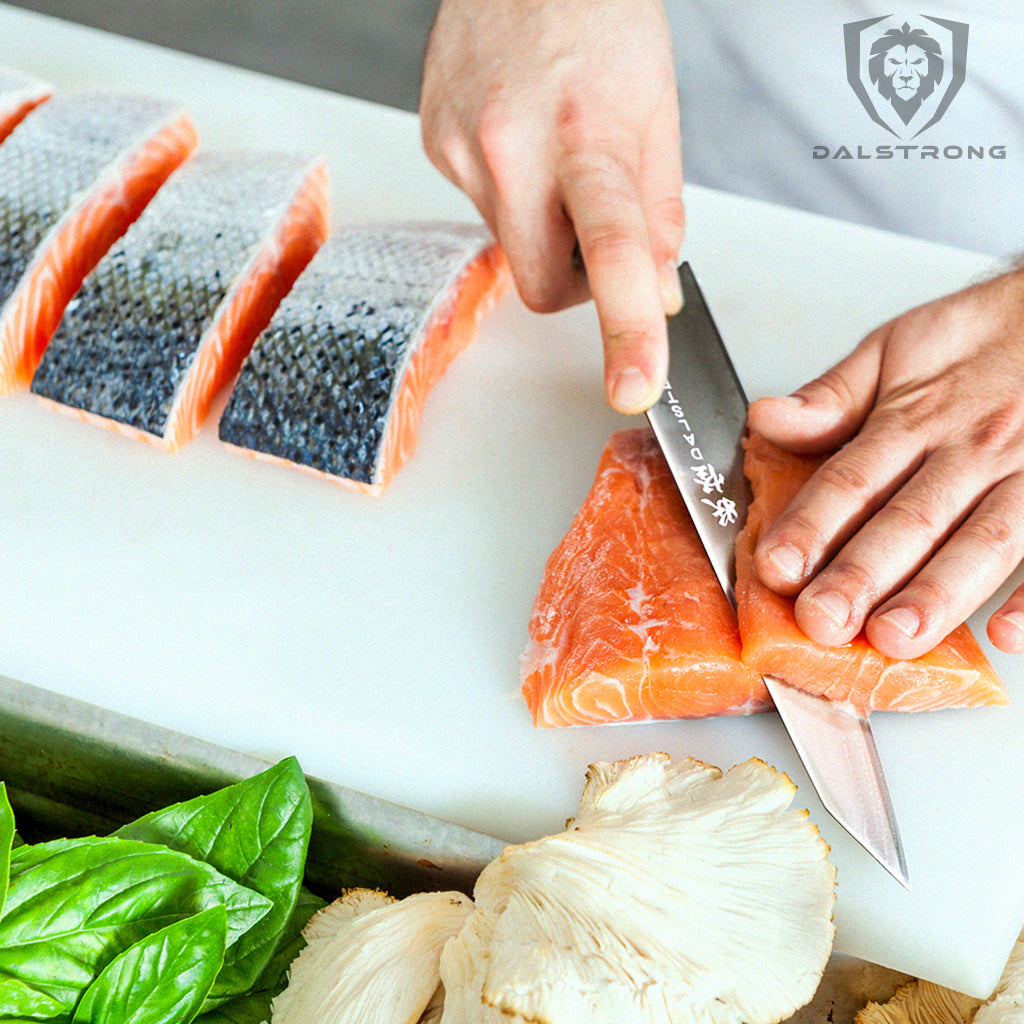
(337, 382)
(955, 673)
(169, 314)
(74, 175)
(630, 624)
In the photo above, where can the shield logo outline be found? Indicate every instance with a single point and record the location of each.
(853, 33)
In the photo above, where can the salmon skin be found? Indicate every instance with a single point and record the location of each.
(18, 95)
(956, 673)
(630, 622)
(73, 175)
(169, 314)
(337, 383)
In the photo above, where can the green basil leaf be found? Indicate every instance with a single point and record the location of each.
(21, 1001)
(255, 832)
(254, 1007)
(163, 978)
(74, 904)
(251, 1009)
(6, 842)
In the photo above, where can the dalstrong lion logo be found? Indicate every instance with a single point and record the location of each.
(905, 65)
(905, 75)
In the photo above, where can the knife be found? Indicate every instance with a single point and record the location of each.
(699, 421)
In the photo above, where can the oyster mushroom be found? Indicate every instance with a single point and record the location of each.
(677, 894)
(923, 1002)
(371, 959)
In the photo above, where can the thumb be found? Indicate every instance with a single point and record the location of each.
(826, 412)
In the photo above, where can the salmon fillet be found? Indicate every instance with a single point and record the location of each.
(337, 383)
(168, 315)
(19, 94)
(73, 176)
(956, 673)
(630, 622)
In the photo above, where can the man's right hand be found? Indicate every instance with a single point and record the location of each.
(560, 120)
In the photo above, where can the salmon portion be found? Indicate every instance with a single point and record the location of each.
(630, 622)
(450, 331)
(956, 673)
(337, 383)
(169, 314)
(73, 176)
(19, 94)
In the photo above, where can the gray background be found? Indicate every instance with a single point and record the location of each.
(367, 48)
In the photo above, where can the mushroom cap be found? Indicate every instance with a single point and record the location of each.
(923, 1002)
(371, 959)
(677, 894)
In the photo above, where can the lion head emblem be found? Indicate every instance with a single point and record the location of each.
(905, 65)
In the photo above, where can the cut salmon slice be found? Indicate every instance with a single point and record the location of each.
(73, 175)
(630, 622)
(337, 383)
(166, 318)
(19, 94)
(956, 673)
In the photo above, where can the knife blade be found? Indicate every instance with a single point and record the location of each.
(699, 421)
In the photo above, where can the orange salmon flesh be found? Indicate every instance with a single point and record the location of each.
(630, 624)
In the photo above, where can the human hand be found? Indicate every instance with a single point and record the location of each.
(560, 121)
(919, 518)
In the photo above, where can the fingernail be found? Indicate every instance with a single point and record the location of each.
(631, 391)
(787, 561)
(906, 620)
(833, 605)
(671, 288)
(1015, 620)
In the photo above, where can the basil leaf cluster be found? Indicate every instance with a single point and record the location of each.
(193, 911)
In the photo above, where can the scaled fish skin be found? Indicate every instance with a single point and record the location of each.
(73, 175)
(337, 382)
(167, 316)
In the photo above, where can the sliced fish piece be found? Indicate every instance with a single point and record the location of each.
(19, 94)
(337, 383)
(954, 674)
(630, 622)
(168, 315)
(73, 175)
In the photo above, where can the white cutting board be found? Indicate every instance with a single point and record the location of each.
(378, 640)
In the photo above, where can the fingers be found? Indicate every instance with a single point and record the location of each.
(1006, 627)
(624, 275)
(921, 565)
(902, 544)
(848, 488)
(828, 411)
(959, 578)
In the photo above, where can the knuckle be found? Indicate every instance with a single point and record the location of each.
(843, 473)
(612, 243)
(855, 579)
(914, 516)
(994, 533)
(999, 428)
(835, 385)
(499, 140)
(449, 152)
(800, 530)
(547, 293)
(577, 130)
(931, 592)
